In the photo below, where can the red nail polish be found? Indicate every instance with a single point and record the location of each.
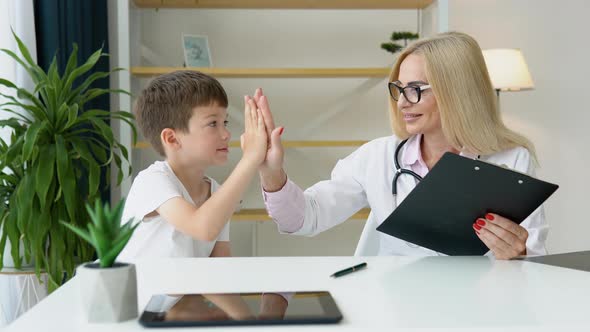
(480, 222)
(489, 217)
(281, 132)
(476, 226)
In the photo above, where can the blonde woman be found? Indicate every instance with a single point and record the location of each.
(442, 100)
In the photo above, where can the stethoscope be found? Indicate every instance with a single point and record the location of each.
(399, 171)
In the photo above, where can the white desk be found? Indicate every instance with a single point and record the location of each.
(393, 292)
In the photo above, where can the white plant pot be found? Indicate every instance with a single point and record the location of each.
(108, 294)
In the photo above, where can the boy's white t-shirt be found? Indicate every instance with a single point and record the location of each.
(155, 237)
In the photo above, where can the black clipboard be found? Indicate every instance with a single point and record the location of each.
(439, 213)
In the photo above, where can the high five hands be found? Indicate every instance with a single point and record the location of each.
(271, 170)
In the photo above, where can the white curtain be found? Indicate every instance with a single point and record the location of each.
(18, 292)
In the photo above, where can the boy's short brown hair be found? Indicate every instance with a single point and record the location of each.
(168, 102)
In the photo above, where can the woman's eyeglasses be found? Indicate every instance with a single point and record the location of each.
(412, 93)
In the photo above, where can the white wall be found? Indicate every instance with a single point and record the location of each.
(553, 35)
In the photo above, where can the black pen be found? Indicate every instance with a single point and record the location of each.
(349, 270)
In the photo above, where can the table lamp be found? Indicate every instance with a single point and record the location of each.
(508, 70)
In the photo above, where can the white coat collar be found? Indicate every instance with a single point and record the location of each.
(412, 153)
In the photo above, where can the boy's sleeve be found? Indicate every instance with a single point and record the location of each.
(148, 192)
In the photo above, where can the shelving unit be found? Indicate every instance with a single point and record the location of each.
(147, 43)
(120, 13)
(269, 72)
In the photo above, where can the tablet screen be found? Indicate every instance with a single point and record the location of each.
(240, 309)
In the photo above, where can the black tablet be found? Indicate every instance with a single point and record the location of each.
(240, 309)
(439, 213)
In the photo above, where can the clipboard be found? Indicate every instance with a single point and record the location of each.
(439, 213)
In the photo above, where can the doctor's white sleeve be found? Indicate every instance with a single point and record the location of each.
(323, 205)
(535, 224)
(286, 207)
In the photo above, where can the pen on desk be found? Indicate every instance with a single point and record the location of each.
(349, 270)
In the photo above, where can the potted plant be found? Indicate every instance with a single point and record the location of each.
(108, 289)
(53, 162)
(393, 46)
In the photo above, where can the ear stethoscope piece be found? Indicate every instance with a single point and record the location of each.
(399, 171)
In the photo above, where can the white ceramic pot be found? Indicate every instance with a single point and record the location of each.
(108, 294)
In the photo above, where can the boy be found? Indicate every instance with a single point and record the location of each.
(184, 213)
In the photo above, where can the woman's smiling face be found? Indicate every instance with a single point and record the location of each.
(422, 117)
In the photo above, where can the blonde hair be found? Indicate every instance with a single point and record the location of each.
(457, 73)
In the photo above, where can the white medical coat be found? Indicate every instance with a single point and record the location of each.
(363, 179)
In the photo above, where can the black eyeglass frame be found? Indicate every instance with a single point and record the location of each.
(402, 91)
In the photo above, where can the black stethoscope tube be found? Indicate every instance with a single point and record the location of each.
(399, 171)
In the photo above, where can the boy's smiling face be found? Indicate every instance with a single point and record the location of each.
(207, 139)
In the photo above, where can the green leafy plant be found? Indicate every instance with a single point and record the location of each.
(397, 36)
(105, 233)
(54, 160)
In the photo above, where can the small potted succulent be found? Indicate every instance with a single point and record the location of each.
(108, 288)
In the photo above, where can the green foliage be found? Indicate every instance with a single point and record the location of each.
(403, 35)
(393, 46)
(55, 144)
(105, 233)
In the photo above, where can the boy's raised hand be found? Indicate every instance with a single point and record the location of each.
(275, 155)
(254, 139)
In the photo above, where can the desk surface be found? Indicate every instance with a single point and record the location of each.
(393, 292)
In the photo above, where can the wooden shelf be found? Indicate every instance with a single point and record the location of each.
(261, 215)
(286, 144)
(380, 72)
(319, 144)
(286, 4)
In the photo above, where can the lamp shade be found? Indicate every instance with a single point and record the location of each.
(508, 70)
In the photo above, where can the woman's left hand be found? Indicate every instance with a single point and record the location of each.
(505, 238)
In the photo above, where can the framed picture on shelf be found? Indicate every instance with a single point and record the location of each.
(196, 51)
